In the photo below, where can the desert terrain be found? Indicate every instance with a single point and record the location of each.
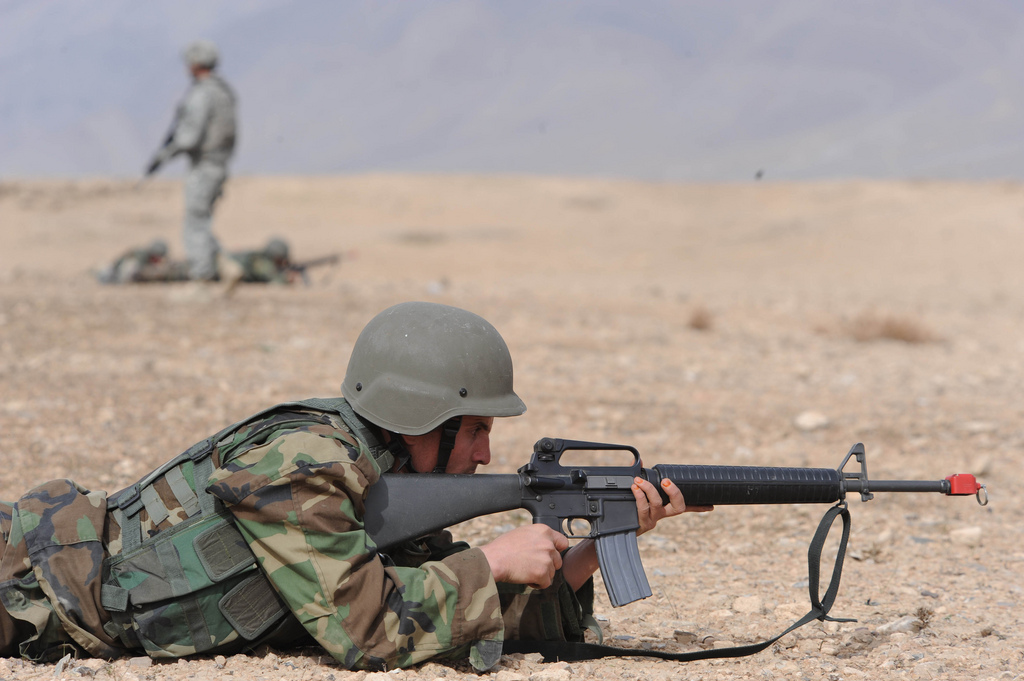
(748, 324)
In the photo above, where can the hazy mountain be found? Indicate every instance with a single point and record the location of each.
(646, 89)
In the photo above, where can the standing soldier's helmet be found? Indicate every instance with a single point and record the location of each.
(417, 365)
(276, 249)
(201, 53)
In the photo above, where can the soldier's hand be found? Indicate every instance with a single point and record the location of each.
(650, 508)
(530, 555)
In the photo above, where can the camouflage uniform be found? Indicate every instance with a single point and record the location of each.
(143, 265)
(286, 489)
(259, 268)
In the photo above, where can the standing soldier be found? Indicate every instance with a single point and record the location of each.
(204, 129)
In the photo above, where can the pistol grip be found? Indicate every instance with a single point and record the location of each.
(621, 569)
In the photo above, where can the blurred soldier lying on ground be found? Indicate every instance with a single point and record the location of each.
(255, 535)
(145, 264)
(204, 129)
(268, 265)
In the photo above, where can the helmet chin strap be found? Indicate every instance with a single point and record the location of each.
(403, 458)
(396, 445)
(449, 431)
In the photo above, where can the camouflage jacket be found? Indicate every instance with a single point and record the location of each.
(292, 484)
(138, 266)
(205, 123)
(258, 267)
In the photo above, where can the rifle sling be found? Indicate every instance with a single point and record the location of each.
(573, 652)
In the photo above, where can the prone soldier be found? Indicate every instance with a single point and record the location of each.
(145, 264)
(256, 534)
(272, 264)
(268, 265)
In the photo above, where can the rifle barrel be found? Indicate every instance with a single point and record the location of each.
(855, 485)
(741, 485)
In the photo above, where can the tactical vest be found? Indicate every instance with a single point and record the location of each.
(195, 587)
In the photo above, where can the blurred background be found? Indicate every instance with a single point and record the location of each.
(650, 89)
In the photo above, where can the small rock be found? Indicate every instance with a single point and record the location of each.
(684, 637)
(59, 668)
(829, 648)
(928, 670)
(550, 675)
(862, 636)
(433, 670)
(219, 661)
(904, 625)
(811, 420)
(978, 427)
(141, 662)
(506, 675)
(968, 536)
(747, 604)
(808, 646)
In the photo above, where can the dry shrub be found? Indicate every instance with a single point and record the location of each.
(871, 326)
(700, 318)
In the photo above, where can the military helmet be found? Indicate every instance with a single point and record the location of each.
(157, 248)
(417, 364)
(276, 249)
(201, 53)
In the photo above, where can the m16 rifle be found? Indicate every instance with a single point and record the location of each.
(558, 495)
(300, 268)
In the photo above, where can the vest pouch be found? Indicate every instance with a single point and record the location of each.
(193, 588)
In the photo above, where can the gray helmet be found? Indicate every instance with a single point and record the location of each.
(201, 53)
(276, 249)
(416, 365)
(157, 248)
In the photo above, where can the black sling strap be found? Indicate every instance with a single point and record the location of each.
(574, 652)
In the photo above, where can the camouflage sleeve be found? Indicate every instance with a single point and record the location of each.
(556, 613)
(192, 119)
(298, 501)
(262, 269)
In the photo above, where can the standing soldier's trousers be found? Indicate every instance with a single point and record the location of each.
(203, 186)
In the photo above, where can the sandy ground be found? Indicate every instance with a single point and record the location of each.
(760, 324)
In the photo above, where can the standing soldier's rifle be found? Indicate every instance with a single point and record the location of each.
(400, 508)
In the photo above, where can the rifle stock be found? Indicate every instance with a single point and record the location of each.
(402, 507)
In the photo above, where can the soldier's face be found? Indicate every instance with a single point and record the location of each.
(472, 447)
